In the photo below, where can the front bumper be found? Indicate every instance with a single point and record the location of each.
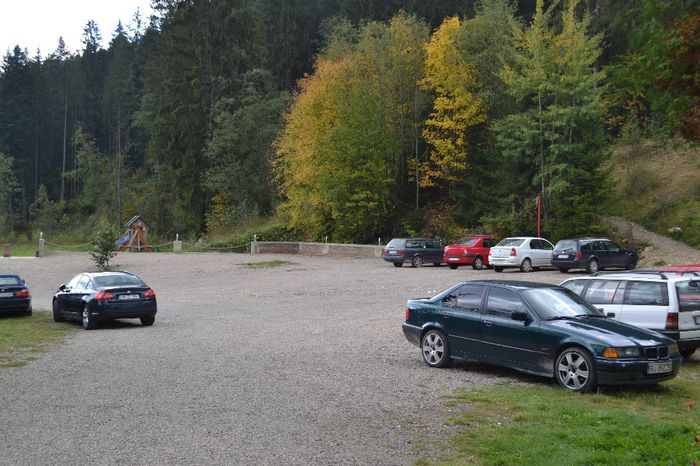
(412, 333)
(633, 372)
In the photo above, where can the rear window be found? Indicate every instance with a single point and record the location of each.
(688, 296)
(647, 294)
(566, 245)
(9, 281)
(117, 280)
(511, 242)
(468, 241)
(395, 243)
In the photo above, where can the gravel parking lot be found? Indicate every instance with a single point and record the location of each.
(303, 363)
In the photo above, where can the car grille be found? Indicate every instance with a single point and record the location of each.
(656, 353)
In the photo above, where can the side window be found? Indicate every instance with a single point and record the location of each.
(502, 302)
(74, 282)
(412, 244)
(90, 285)
(546, 245)
(82, 284)
(601, 291)
(599, 246)
(534, 244)
(469, 297)
(612, 247)
(450, 300)
(647, 294)
(435, 244)
(586, 247)
(576, 286)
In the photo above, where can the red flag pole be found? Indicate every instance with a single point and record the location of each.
(539, 216)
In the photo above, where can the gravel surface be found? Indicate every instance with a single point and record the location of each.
(298, 364)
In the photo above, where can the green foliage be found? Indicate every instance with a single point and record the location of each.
(265, 264)
(103, 245)
(44, 214)
(9, 191)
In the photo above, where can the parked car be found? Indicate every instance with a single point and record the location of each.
(660, 301)
(539, 329)
(526, 253)
(470, 250)
(417, 251)
(95, 297)
(14, 295)
(591, 254)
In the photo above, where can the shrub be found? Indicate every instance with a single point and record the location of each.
(104, 247)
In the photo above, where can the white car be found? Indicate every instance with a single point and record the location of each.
(523, 252)
(661, 301)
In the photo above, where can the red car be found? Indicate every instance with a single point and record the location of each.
(470, 250)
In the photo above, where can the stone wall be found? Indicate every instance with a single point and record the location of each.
(316, 249)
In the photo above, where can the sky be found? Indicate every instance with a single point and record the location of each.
(39, 23)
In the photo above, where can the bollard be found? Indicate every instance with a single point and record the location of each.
(42, 245)
(6, 250)
(177, 244)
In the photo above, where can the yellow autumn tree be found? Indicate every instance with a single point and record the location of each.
(455, 109)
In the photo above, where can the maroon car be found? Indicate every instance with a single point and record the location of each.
(470, 250)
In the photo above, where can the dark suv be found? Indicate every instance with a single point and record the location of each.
(415, 250)
(591, 254)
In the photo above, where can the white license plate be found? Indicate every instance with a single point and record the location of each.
(563, 256)
(659, 367)
(9, 295)
(393, 252)
(457, 258)
(125, 297)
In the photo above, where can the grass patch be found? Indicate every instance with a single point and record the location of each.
(546, 425)
(23, 337)
(266, 264)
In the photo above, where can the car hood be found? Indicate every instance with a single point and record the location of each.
(609, 332)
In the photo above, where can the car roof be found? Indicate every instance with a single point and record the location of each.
(9, 275)
(584, 239)
(643, 275)
(518, 284)
(107, 274)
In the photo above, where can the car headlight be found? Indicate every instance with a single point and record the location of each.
(626, 352)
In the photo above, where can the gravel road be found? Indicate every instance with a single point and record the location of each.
(299, 364)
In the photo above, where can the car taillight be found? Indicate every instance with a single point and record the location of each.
(407, 314)
(149, 293)
(671, 321)
(103, 296)
(578, 254)
(513, 252)
(402, 252)
(22, 294)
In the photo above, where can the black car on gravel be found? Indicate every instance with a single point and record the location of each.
(14, 295)
(95, 297)
(417, 251)
(591, 254)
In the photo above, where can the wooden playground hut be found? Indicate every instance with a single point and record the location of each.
(136, 236)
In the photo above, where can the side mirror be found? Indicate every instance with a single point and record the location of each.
(520, 316)
(62, 287)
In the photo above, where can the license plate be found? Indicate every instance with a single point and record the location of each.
(9, 295)
(125, 297)
(457, 258)
(393, 252)
(659, 367)
(563, 256)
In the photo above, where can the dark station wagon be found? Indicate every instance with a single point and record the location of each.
(417, 251)
(539, 329)
(592, 255)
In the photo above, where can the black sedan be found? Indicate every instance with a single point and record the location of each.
(14, 295)
(95, 297)
(540, 329)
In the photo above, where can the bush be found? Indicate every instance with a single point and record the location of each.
(104, 247)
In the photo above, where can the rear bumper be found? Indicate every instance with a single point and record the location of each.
(683, 341)
(108, 311)
(505, 261)
(564, 264)
(412, 333)
(466, 259)
(15, 304)
(632, 372)
(396, 259)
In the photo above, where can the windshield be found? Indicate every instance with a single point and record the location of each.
(9, 280)
(549, 303)
(106, 281)
(566, 245)
(468, 241)
(688, 295)
(511, 242)
(395, 243)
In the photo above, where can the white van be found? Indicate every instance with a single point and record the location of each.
(661, 301)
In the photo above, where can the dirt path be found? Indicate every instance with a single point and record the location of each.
(662, 248)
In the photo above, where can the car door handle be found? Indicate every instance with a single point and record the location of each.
(488, 323)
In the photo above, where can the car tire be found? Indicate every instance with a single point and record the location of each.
(434, 349)
(497, 268)
(687, 352)
(593, 266)
(574, 370)
(86, 319)
(478, 263)
(631, 264)
(563, 269)
(398, 264)
(147, 321)
(57, 317)
(437, 264)
(28, 312)
(526, 265)
(454, 266)
(416, 262)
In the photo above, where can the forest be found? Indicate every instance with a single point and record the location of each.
(346, 119)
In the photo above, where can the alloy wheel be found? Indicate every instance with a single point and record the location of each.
(574, 371)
